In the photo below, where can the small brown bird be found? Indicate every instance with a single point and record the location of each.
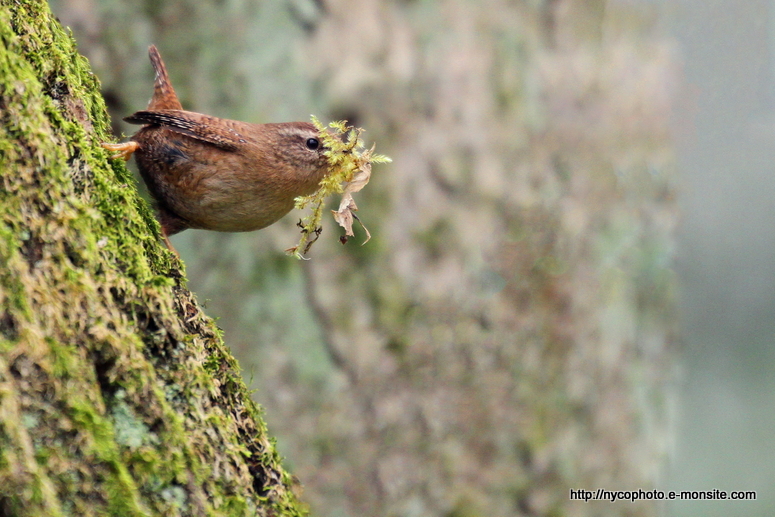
(218, 174)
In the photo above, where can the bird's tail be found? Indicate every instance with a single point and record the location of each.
(164, 96)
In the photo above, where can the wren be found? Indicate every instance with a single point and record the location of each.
(217, 174)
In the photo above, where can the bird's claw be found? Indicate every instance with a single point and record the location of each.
(123, 151)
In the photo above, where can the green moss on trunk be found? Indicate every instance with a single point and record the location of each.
(117, 395)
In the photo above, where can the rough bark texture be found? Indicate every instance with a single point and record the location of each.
(117, 394)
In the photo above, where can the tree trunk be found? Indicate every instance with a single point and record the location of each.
(117, 394)
(505, 336)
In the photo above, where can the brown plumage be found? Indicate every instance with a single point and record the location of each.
(218, 174)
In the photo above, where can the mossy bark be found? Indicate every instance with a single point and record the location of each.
(117, 394)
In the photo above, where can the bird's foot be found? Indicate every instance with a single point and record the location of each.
(170, 246)
(123, 151)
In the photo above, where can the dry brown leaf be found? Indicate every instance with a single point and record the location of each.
(347, 207)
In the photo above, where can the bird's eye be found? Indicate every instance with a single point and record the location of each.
(313, 144)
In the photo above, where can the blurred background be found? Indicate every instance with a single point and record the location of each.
(570, 283)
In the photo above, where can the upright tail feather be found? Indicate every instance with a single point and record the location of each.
(164, 96)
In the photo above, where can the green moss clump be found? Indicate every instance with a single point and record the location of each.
(349, 171)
